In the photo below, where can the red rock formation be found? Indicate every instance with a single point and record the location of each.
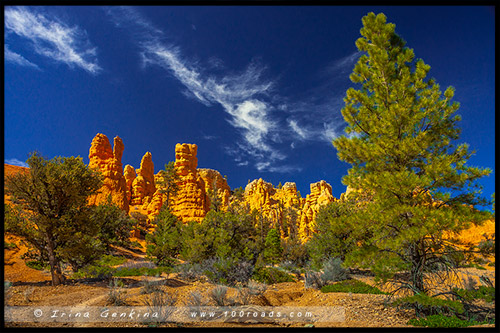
(108, 162)
(143, 186)
(277, 205)
(154, 206)
(321, 194)
(129, 174)
(190, 203)
(259, 195)
(214, 181)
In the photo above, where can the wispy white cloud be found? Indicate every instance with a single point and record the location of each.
(301, 132)
(53, 38)
(209, 137)
(265, 120)
(13, 57)
(344, 65)
(330, 131)
(15, 161)
(315, 119)
(241, 95)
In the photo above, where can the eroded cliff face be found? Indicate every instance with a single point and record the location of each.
(280, 206)
(129, 174)
(215, 182)
(143, 186)
(190, 203)
(109, 162)
(259, 195)
(321, 194)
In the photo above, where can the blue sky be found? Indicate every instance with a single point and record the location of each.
(258, 89)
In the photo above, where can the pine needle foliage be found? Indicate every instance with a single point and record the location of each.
(410, 180)
(53, 213)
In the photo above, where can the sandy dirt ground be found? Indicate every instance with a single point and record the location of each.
(32, 287)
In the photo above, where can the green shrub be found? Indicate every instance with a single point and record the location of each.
(473, 265)
(270, 275)
(101, 269)
(116, 297)
(486, 293)
(352, 286)
(440, 320)
(140, 271)
(9, 246)
(220, 297)
(228, 271)
(149, 287)
(110, 260)
(333, 270)
(37, 264)
(430, 305)
(94, 271)
(189, 271)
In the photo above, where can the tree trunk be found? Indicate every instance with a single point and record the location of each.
(55, 268)
(416, 271)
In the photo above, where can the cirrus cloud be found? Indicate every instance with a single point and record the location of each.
(52, 38)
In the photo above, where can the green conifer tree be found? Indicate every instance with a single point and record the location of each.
(399, 141)
(168, 183)
(54, 215)
(165, 242)
(273, 249)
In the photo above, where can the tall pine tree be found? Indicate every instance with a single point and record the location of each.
(399, 141)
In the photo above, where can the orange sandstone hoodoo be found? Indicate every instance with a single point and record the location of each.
(137, 188)
(109, 162)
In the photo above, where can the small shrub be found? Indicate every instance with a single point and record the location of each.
(352, 286)
(219, 296)
(428, 305)
(94, 271)
(333, 271)
(227, 271)
(189, 271)
(37, 264)
(138, 264)
(28, 293)
(270, 275)
(470, 283)
(244, 295)
(256, 288)
(161, 303)
(141, 271)
(313, 280)
(116, 296)
(110, 260)
(149, 286)
(486, 293)
(195, 299)
(292, 268)
(440, 320)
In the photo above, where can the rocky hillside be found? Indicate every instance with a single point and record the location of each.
(136, 189)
